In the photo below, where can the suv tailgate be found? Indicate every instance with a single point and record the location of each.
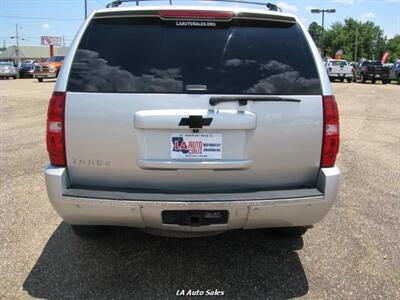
(138, 112)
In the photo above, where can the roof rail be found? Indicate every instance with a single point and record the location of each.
(270, 6)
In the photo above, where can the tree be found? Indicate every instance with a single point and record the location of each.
(393, 45)
(315, 31)
(371, 42)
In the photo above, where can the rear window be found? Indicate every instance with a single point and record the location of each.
(6, 64)
(125, 55)
(56, 59)
(373, 63)
(338, 63)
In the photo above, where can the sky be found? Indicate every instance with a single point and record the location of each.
(63, 17)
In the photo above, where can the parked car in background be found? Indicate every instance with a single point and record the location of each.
(372, 70)
(48, 69)
(218, 136)
(394, 72)
(7, 70)
(339, 69)
(27, 68)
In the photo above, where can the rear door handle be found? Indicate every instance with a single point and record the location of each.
(179, 119)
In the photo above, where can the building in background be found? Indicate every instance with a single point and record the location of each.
(39, 53)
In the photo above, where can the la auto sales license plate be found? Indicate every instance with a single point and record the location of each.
(196, 145)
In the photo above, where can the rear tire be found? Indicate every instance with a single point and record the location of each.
(349, 80)
(373, 81)
(385, 81)
(40, 79)
(289, 232)
(14, 77)
(89, 231)
(341, 79)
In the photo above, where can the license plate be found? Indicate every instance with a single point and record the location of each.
(196, 146)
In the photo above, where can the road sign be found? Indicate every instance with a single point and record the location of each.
(51, 40)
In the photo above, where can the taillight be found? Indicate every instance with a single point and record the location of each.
(55, 129)
(196, 15)
(330, 142)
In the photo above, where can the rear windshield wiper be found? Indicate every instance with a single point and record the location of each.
(243, 99)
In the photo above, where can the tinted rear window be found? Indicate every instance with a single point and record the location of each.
(373, 63)
(338, 63)
(126, 55)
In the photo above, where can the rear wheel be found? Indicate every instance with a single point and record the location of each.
(289, 232)
(373, 81)
(89, 231)
(40, 79)
(14, 77)
(349, 80)
(385, 81)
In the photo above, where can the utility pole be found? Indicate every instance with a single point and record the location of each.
(17, 50)
(63, 38)
(17, 38)
(322, 34)
(323, 11)
(85, 9)
(356, 46)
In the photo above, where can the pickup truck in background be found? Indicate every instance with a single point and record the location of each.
(48, 69)
(372, 70)
(339, 69)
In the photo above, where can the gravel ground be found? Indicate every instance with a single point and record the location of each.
(353, 253)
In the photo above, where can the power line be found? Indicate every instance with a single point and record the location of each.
(102, 3)
(35, 18)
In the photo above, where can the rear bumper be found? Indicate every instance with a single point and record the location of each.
(341, 75)
(25, 73)
(377, 76)
(300, 207)
(45, 75)
(8, 74)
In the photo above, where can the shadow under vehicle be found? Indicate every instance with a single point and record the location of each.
(129, 264)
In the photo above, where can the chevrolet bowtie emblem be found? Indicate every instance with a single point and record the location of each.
(195, 121)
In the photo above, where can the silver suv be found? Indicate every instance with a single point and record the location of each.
(192, 120)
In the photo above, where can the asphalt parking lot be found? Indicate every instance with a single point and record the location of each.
(353, 253)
